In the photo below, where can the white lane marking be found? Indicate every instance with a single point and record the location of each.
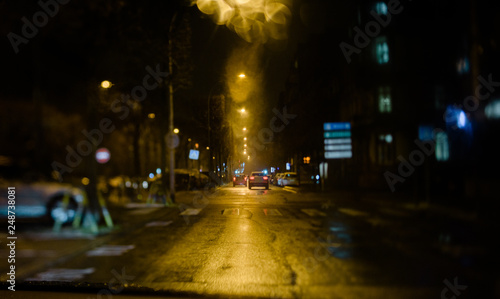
(159, 223)
(62, 274)
(110, 250)
(272, 212)
(313, 212)
(190, 212)
(352, 212)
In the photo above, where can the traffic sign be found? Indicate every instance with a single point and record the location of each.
(172, 140)
(102, 155)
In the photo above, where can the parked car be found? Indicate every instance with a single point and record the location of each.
(41, 200)
(290, 179)
(278, 179)
(259, 179)
(239, 179)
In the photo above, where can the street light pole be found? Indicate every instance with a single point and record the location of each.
(171, 111)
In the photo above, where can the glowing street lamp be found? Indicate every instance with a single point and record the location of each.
(242, 75)
(242, 110)
(106, 84)
(244, 129)
(176, 131)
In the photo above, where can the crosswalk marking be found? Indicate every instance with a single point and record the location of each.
(159, 223)
(233, 211)
(62, 274)
(110, 250)
(190, 212)
(272, 212)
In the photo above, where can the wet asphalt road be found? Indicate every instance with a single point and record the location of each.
(282, 243)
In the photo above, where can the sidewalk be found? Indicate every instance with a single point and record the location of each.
(410, 203)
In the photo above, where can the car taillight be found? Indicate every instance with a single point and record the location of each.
(265, 178)
(252, 178)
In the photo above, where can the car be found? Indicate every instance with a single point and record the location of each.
(278, 179)
(239, 179)
(41, 200)
(290, 179)
(258, 179)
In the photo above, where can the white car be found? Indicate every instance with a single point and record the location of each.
(290, 179)
(40, 200)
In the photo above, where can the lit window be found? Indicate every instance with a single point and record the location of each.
(463, 65)
(384, 99)
(381, 8)
(381, 50)
(442, 147)
(492, 110)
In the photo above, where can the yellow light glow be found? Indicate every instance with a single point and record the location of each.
(245, 145)
(252, 20)
(244, 129)
(245, 138)
(85, 181)
(151, 115)
(208, 148)
(242, 110)
(106, 84)
(242, 76)
(176, 131)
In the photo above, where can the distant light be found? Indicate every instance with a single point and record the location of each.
(242, 110)
(388, 138)
(492, 110)
(128, 184)
(158, 170)
(189, 139)
(245, 145)
(248, 157)
(151, 115)
(242, 75)
(456, 117)
(245, 138)
(145, 185)
(462, 120)
(381, 8)
(106, 84)
(317, 177)
(208, 147)
(244, 129)
(85, 181)
(176, 131)
(287, 166)
(151, 175)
